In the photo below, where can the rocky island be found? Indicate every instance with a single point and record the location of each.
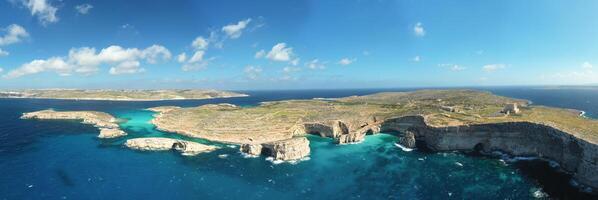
(105, 122)
(441, 120)
(186, 148)
(119, 95)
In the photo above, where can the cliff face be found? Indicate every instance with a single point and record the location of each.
(340, 131)
(285, 150)
(575, 155)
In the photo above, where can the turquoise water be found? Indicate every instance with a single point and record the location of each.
(65, 160)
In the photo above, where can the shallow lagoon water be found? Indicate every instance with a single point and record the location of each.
(65, 160)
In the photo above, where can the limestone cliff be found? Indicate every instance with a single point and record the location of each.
(574, 155)
(284, 150)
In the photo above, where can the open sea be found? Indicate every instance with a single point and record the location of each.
(65, 160)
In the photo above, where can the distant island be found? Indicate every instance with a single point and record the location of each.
(119, 95)
(440, 120)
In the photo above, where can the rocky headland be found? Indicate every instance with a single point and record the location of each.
(283, 150)
(186, 148)
(105, 122)
(442, 120)
(119, 95)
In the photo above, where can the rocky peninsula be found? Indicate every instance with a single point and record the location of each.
(105, 122)
(119, 95)
(441, 120)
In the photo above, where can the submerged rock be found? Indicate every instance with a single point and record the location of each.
(187, 148)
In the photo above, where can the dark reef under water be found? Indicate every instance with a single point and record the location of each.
(65, 160)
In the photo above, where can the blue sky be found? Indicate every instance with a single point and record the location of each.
(268, 44)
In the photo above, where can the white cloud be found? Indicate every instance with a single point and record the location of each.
(200, 43)
(587, 65)
(56, 64)
(155, 53)
(452, 67)
(419, 30)
(83, 8)
(197, 56)
(181, 58)
(493, 67)
(315, 64)
(14, 34)
(235, 30)
(346, 61)
(280, 52)
(260, 54)
(1, 70)
(86, 61)
(45, 12)
(127, 67)
(416, 59)
(3, 53)
(253, 72)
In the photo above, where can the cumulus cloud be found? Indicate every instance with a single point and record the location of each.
(279, 52)
(86, 60)
(419, 30)
(493, 67)
(235, 30)
(253, 72)
(346, 61)
(44, 11)
(83, 8)
(13, 34)
(452, 67)
(1, 70)
(315, 64)
(3, 53)
(127, 67)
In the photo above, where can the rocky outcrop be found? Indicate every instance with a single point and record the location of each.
(407, 139)
(186, 148)
(283, 150)
(111, 133)
(251, 149)
(105, 122)
(574, 155)
(290, 149)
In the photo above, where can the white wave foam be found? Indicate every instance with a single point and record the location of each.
(403, 148)
(223, 156)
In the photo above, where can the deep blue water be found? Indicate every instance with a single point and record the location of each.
(65, 160)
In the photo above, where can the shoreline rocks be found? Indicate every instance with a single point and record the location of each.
(186, 148)
(105, 122)
(283, 150)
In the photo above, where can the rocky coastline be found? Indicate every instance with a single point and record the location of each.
(283, 150)
(106, 123)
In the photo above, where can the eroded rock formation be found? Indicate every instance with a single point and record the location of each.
(407, 139)
(574, 155)
(284, 150)
(186, 148)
